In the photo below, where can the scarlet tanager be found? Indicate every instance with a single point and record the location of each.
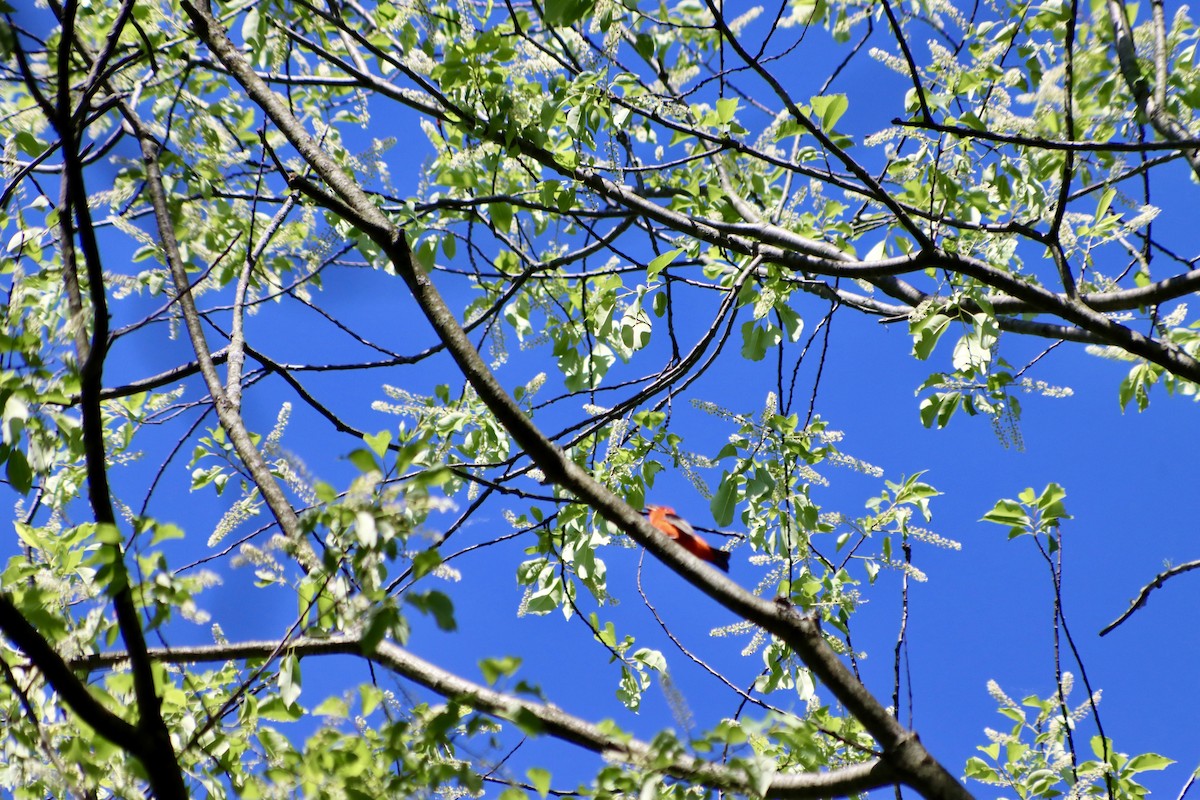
(666, 520)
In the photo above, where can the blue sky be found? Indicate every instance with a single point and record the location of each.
(984, 614)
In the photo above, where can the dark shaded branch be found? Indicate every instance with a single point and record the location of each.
(1144, 594)
(161, 379)
(153, 745)
(1068, 166)
(913, 72)
(1039, 143)
(64, 681)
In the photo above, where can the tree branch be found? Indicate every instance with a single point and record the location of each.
(871, 774)
(227, 413)
(153, 744)
(1144, 594)
(64, 682)
(1147, 97)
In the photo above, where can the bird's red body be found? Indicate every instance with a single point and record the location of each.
(666, 520)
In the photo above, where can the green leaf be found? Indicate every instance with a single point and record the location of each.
(1050, 500)
(288, 679)
(382, 620)
(28, 144)
(18, 472)
(325, 493)
(1101, 744)
(830, 108)
(926, 332)
(1010, 513)
(165, 532)
(109, 534)
(1106, 198)
(437, 604)
(364, 460)
(370, 696)
(757, 339)
(660, 262)
(660, 304)
(501, 215)
(726, 108)
(724, 502)
(273, 708)
(252, 27)
(425, 562)
(426, 254)
(378, 442)
(495, 668)
(936, 411)
(527, 721)
(792, 322)
(1147, 762)
(759, 770)
(567, 12)
(540, 779)
(332, 707)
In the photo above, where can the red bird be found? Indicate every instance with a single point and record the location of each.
(677, 528)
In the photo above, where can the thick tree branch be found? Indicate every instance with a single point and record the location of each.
(871, 774)
(227, 413)
(65, 682)
(1150, 99)
(1151, 294)
(153, 744)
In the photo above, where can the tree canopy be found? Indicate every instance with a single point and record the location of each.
(328, 324)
